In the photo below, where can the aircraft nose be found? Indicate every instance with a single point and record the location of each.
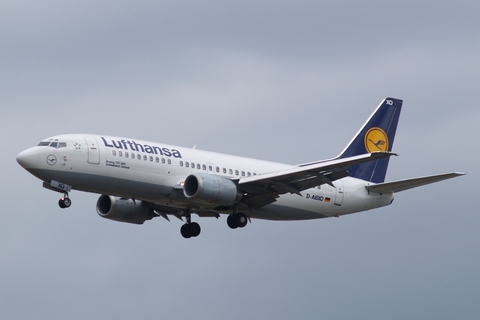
(28, 158)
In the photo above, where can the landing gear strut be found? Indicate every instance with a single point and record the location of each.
(65, 202)
(237, 220)
(61, 187)
(190, 229)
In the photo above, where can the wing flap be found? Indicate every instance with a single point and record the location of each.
(259, 200)
(401, 185)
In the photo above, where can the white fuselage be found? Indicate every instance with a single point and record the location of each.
(155, 173)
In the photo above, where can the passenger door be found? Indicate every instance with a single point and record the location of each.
(93, 151)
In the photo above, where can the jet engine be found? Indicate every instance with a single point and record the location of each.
(124, 210)
(211, 190)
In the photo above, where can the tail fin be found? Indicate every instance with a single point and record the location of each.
(377, 134)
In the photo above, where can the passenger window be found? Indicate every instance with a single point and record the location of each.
(120, 154)
(145, 158)
(248, 174)
(151, 159)
(157, 159)
(204, 167)
(243, 173)
(193, 165)
(169, 161)
(187, 164)
(114, 152)
(230, 171)
(163, 160)
(236, 172)
(224, 170)
(181, 163)
(217, 169)
(139, 157)
(133, 155)
(126, 154)
(198, 165)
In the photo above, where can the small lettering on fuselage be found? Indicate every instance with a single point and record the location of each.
(134, 146)
(117, 164)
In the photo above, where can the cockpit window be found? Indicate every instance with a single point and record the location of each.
(52, 143)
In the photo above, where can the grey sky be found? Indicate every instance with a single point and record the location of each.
(290, 81)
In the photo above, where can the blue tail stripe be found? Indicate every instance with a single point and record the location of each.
(385, 118)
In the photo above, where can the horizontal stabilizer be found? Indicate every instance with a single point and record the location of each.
(401, 185)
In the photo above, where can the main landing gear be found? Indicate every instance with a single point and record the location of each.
(190, 229)
(65, 201)
(237, 220)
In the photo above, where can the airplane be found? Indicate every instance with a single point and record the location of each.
(139, 180)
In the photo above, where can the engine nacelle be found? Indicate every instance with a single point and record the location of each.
(123, 210)
(211, 190)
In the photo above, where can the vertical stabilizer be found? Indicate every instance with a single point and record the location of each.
(377, 134)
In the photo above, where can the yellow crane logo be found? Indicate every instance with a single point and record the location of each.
(376, 140)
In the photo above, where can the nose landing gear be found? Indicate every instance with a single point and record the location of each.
(65, 201)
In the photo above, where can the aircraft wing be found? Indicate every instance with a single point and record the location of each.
(401, 185)
(265, 188)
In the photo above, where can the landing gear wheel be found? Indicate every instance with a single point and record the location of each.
(195, 229)
(241, 219)
(67, 202)
(185, 231)
(232, 223)
(190, 230)
(237, 220)
(64, 203)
